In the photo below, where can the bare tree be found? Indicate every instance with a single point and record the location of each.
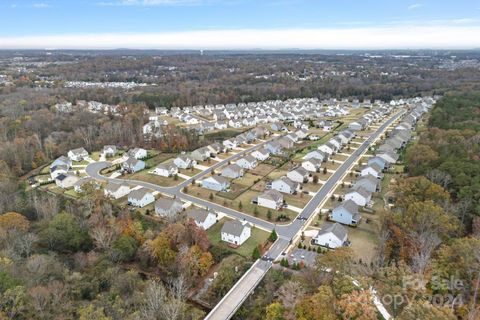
(423, 246)
(289, 294)
(439, 177)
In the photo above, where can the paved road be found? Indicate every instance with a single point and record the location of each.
(235, 297)
(227, 307)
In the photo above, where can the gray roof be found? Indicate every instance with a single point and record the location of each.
(198, 214)
(336, 228)
(233, 227)
(113, 186)
(79, 151)
(138, 194)
(233, 167)
(302, 171)
(349, 205)
(166, 204)
(272, 194)
(219, 179)
(167, 166)
(292, 184)
(249, 158)
(360, 190)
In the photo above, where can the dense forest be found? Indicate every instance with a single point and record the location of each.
(427, 263)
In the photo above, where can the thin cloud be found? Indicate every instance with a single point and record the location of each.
(395, 37)
(414, 6)
(151, 3)
(40, 5)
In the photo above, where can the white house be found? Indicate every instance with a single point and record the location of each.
(312, 165)
(168, 207)
(216, 183)
(261, 154)
(165, 170)
(247, 162)
(137, 153)
(373, 169)
(235, 232)
(359, 195)
(116, 190)
(202, 218)
(285, 185)
(140, 197)
(58, 170)
(316, 154)
(332, 236)
(184, 162)
(326, 148)
(233, 171)
(109, 151)
(270, 199)
(346, 213)
(66, 181)
(78, 154)
(299, 175)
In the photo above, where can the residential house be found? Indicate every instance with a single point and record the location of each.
(140, 197)
(389, 156)
(184, 162)
(116, 190)
(58, 170)
(248, 162)
(327, 149)
(261, 154)
(166, 170)
(369, 182)
(299, 175)
(137, 153)
(286, 143)
(278, 126)
(167, 207)
(203, 218)
(312, 165)
(270, 199)
(346, 213)
(274, 147)
(201, 154)
(109, 151)
(216, 183)
(132, 165)
(78, 154)
(382, 163)
(235, 232)
(332, 236)
(216, 148)
(230, 143)
(374, 169)
(359, 195)
(66, 181)
(62, 160)
(317, 154)
(285, 185)
(233, 171)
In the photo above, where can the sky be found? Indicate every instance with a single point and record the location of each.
(239, 24)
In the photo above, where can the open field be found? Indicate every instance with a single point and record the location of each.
(152, 178)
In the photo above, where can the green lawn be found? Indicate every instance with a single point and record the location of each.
(258, 237)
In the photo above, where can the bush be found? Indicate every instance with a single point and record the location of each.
(64, 233)
(256, 253)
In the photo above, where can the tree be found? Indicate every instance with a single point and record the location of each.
(290, 293)
(423, 310)
(64, 233)
(357, 305)
(125, 248)
(210, 197)
(256, 253)
(90, 312)
(240, 205)
(162, 251)
(315, 179)
(319, 306)
(274, 311)
(13, 302)
(13, 220)
(255, 212)
(198, 261)
(325, 170)
(269, 215)
(273, 236)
